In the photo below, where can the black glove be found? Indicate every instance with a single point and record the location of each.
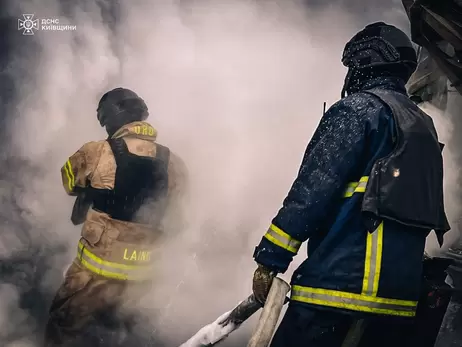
(262, 280)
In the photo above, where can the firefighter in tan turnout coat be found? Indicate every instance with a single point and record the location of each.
(130, 181)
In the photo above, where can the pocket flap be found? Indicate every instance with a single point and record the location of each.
(93, 230)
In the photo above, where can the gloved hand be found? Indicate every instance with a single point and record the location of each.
(262, 280)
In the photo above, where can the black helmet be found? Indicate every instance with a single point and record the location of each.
(120, 106)
(380, 47)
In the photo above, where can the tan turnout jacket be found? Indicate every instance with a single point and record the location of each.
(108, 247)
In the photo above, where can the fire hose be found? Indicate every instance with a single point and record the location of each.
(230, 321)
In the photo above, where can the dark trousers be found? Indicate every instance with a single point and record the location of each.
(304, 326)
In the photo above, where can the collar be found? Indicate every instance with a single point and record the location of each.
(389, 83)
(140, 130)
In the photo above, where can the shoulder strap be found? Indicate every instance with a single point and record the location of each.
(390, 98)
(377, 93)
(399, 102)
(163, 153)
(119, 148)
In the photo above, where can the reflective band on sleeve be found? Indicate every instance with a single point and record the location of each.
(282, 239)
(356, 187)
(373, 261)
(70, 175)
(355, 302)
(110, 269)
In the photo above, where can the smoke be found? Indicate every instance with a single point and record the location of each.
(235, 88)
(446, 124)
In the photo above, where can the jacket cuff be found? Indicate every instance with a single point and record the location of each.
(276, 260)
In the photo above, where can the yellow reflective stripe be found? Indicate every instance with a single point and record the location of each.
(69, 179)
(367, 263)
(347, 295)
(71, 173)
(373, 261)
(104, 262)
(361, 188)
(355, 302)
(378, 260)
(110, 269)
(356, 187)
(350, 189)
(282, 239)
(102, 272)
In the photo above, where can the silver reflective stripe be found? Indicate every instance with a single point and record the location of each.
(350, 190)
(102, 269)
(373, 261)
(118, 271)
(355, 302)
(356, 187)
(360, 188)
(282, 239)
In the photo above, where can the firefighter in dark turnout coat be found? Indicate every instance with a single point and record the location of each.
(368, 193)
(130, 181)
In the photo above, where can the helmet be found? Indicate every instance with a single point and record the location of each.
(120, 106)
(380, 47)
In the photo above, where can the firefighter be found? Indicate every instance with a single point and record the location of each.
(130, 181)
(369, 191)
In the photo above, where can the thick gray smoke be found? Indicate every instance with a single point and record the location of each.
(234, 87)
(446, 123)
